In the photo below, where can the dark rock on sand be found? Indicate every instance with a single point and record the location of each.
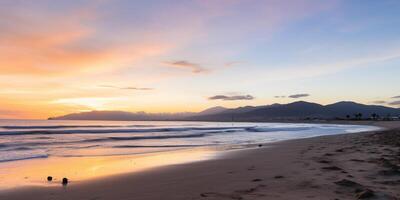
(278, 177)
(64, 181)
(49, 178)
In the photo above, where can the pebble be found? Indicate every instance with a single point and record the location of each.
(64, 181)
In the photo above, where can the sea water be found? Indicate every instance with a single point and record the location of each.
(30, 139)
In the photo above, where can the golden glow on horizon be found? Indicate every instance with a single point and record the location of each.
(89, 103)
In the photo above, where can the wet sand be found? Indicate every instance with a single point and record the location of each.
(34, 172)
(349, 166)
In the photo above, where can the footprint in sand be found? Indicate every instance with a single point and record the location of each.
(237, 194)
(332, 168)
(221, 195)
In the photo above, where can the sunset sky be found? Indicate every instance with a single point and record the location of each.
(58, 57)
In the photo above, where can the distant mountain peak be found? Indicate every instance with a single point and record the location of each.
(346, 103)
(298, 110)
(213, 110)
(303, 102)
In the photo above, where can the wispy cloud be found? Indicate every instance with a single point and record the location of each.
(136, 88)
(296, 96)
(394, 103)
(233, 63)
(184, 64)
(379, 102)
(231, 98)
(125, 88)
(280, 96)
(307, 70)
(396, 97)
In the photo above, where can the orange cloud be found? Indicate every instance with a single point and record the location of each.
(195, 68)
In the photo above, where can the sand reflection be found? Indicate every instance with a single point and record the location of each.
(35, 172)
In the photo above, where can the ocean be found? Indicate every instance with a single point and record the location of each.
(32, 139)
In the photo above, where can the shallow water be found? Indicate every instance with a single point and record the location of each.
(29, 139)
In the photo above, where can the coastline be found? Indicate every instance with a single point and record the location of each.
(258, 173)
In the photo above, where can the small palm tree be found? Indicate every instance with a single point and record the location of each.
(358, 116)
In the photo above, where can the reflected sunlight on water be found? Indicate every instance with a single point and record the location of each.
(35, 172)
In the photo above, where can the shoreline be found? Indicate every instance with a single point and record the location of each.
(235, 175)
(86, 168)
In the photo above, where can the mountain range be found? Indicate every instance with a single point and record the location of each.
(299, 110)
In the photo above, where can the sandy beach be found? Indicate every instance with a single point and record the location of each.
(349, 166)
(199, 100)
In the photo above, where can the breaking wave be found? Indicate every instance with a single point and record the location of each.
(41, 139)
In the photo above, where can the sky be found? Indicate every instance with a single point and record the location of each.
(65, 56)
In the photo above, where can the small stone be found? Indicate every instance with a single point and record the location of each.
(278, 177)
(64, 181)
(49, 178)
(260, 145)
